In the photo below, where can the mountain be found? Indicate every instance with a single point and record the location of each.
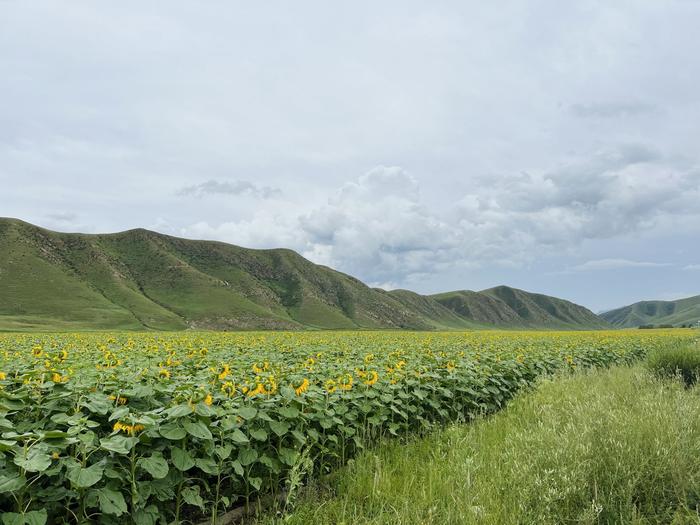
(141, 279)
(505, 306)
(682, 311)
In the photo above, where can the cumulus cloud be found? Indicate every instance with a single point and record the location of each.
(615, 264)
(615, 192)
(236, 187)
(378, 227)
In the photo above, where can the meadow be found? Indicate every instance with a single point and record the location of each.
(180, 427)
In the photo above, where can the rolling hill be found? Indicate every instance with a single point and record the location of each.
(505, 306)
(141, 279)
(680, 312)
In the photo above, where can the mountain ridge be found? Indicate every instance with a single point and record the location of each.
(140, 279)
(678, 312)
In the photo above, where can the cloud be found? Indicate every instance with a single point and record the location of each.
(628, 189)
(615, 264)
(612, 109)
(379, 228)
(378, 223)
(692, 267)
(237, 187)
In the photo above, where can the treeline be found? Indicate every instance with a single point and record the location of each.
(650, 326)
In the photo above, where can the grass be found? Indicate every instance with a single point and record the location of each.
(672, 362)
(617, 446)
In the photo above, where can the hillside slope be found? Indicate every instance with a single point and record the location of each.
(682, 311)
(505, 306)
(141, 279)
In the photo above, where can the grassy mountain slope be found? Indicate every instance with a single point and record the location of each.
(436, 314)
(682, 311)
(141, 279)
(505, 306)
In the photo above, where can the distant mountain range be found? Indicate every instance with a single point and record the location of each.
(141, 279)
(675, 313)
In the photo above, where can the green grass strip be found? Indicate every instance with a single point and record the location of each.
(609, 446)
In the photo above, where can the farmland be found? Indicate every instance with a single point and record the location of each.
(183, 426)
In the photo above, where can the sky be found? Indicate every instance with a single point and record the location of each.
(551, 146)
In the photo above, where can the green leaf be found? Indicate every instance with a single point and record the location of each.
(273, 464)
(288, 456)
(259, 434)
(263, 415)
(54, 434)
(155, 465)
(301, 438)
(119, 413)
(147, 516)
(172, 431)
(197, 429)
(12, 518)
(223, 451)
(118, 444)
(287, 392)
(181, 459)
(111, 501)
(247, 412)
(35, 517)
(256, 483)
(179, 411)
(289, 412)
(191, 496)
(279, 427)
(247, 456)
(34, 462)
(6, 444)
(11, 484)
(98, 404)
(83, 478)
(203, 410)
(239, 437)
(237, 467)
(207, 465)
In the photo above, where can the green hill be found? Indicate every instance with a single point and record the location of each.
(510, 307)
(141, 279)
(680, 312)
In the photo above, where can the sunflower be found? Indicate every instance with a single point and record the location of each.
(302, 388)
(373, 378)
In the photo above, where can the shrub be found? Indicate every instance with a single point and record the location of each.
(682, 361)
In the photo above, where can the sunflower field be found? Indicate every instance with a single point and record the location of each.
(179, 427)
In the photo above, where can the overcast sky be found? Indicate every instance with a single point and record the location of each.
(552, 146)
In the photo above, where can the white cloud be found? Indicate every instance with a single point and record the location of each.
(692, 267)
(228, 187)
(378, 227)
(615, 264)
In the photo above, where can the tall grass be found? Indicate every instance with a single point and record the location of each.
(614, 446)
(680, 361)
